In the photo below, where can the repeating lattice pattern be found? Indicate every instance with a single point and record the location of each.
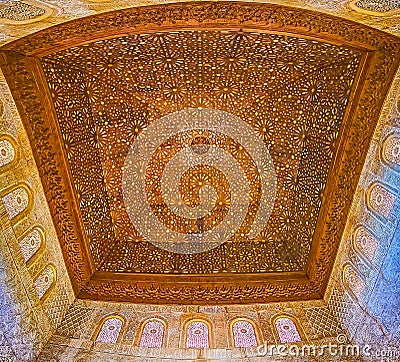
(44, 281)
(197, 335)
(244, 334)
(20, 11)
(324, 322)
(381, 200)
(7, 152)
(31, 243)
(16, 202)
(155, 75)
(365, 243)
(152, 334)
(75, 321)
(287, 330)
(340, 305)
(379, 6)
(110, 330)
(59, 307)
(391, 151)
(354, 283)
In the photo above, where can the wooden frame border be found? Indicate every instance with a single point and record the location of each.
(21, 64)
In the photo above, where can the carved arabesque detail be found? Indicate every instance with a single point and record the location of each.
(100, 123)
(383, 60)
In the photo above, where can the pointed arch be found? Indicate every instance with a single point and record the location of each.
(25, 12)
(375, 8)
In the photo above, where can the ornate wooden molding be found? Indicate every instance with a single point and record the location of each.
(21, 64)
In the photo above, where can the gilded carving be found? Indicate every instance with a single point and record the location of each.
(100, 144)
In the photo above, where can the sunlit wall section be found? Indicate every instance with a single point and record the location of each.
(369, 254)
(28, 245)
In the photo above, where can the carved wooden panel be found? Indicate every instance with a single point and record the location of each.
(310, 86)
(295, 102)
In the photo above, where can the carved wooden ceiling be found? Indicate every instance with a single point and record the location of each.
(262, 112)
(292, 91)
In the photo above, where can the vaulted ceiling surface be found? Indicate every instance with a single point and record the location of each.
(256, 117)
(293, 92)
